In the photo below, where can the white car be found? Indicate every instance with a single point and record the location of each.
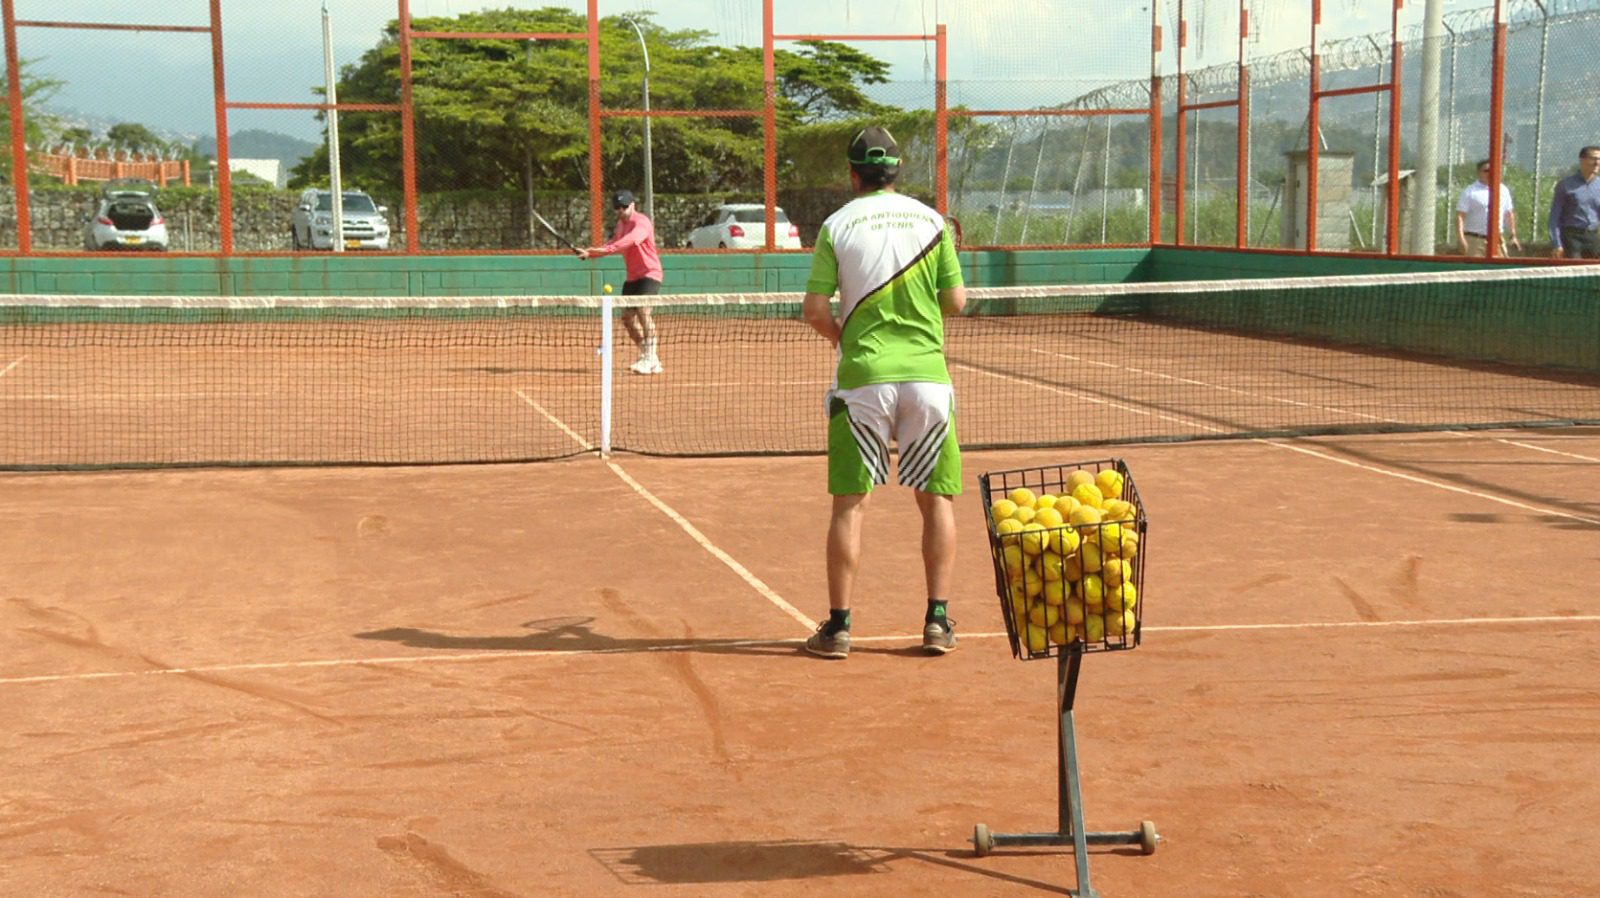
(125, 218)
(742, 226)
(311, 223)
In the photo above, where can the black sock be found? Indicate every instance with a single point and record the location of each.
(936, 612)
(838, 619)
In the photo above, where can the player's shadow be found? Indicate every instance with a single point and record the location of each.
(770, 861)
(575, 634)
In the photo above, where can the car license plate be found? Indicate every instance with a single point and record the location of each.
(352, 244)
(133, 240)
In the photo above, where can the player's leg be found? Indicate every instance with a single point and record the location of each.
(930, 463)
(641, 325)
(858, 460)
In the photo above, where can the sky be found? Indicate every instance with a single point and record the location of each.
(1000, 53)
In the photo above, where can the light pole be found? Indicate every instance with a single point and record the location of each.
(333, 132)
(649, 179)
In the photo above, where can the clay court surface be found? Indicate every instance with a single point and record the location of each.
(1368, 669)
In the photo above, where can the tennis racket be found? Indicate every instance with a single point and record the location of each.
(551, 230)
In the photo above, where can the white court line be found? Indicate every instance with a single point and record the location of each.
(556, 421)
(525, 654)
(744, 573)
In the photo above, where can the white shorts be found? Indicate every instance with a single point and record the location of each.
(918, 417)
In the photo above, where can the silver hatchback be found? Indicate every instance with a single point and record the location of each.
(311, 223)
(125, 217)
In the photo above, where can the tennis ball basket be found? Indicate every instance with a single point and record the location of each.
(1068, 548)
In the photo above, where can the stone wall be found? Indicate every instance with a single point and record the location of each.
(458, 222)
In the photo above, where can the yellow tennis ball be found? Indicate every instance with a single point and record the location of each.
(1048, 517)
(1094, 628)
(1119, 510)
(1074, 612)
(1052, 565)
(1064, 540)
(1130, 544)
(1022, 496)
(1044, 614)
(1002, 509)
(1060, 633)
(1116, 571)
(1088, 494)
(1072, 568)
(1084, 515)
(1038, 638)
(1024, 513)
(1078, 478)
(606, 288)
(1093, 558)
(1008, 527)
(1093, 591)
(1120, 623)
(1111, 538)
(1065, 505)
(1034, 538)
(1029, 582)
(1044, 501)
(1110, 483)
(1055, 591)
(1121, 597)
(1012, 557)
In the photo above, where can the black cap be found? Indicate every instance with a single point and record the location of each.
(874, 146)
(621, 198)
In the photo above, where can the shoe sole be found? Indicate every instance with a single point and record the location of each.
(835, 654)
(936, 649)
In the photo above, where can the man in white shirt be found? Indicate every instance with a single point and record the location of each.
(1472, 216)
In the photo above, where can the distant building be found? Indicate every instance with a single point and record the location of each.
(269, 170)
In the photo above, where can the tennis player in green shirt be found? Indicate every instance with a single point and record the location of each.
(892, 262)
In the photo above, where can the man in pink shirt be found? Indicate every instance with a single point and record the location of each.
(635, 238)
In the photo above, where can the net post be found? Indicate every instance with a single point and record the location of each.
(605, 375)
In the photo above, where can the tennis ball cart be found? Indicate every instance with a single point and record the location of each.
(1069, 574)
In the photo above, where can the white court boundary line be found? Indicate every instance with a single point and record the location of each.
(683, 523)
(481, 656)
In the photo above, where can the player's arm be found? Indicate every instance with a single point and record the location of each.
(952, 287)
(817, 308)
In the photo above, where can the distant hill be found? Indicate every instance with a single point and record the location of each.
(256, 144)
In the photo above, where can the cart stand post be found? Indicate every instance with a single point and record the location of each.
(1070, 827)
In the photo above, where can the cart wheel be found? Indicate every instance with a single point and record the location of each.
(982, 840)
(1148, 837)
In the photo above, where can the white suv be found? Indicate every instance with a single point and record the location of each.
(311, 224)
(742, 226)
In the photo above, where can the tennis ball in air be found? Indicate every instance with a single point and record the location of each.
(1088, 494)
(1022, 496)
(606, 288)
(1002, 509)
(1110, 483)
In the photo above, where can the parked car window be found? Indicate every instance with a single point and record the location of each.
(758, 216)
(353, 202)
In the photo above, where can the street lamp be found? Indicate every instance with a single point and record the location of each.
(649, 179)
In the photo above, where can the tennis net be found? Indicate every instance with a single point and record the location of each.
(134, 381)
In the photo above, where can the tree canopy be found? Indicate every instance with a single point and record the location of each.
(503, 114)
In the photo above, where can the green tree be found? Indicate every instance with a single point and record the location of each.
(36, 124)
(134, 137)
(500, 114)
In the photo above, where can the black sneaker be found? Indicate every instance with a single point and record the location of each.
(829, 645)
(939, 638)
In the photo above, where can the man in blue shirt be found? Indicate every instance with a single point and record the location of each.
(1575, 210)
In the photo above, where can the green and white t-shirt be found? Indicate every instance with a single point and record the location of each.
(888, 256)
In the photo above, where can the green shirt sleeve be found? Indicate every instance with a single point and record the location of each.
(949, 264)
(824, 266)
